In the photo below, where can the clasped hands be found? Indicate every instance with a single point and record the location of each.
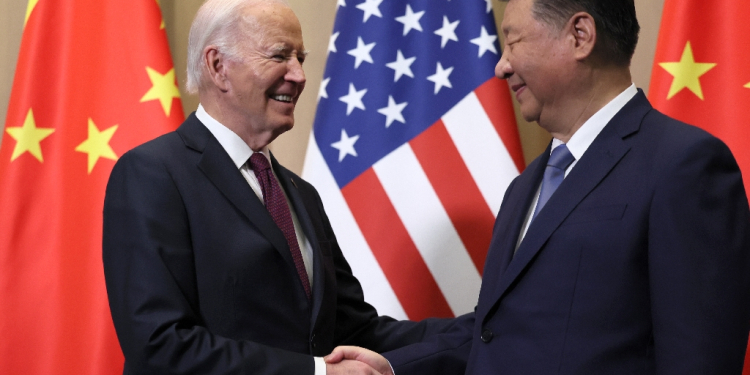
(356, 360)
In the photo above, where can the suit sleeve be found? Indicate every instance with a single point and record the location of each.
(445, 353)
(699, 263)
(150, 279)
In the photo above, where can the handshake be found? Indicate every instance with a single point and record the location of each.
(356, 360)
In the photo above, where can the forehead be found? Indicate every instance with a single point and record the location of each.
(275, 24)
(518, 13)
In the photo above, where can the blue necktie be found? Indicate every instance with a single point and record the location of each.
(558, 162)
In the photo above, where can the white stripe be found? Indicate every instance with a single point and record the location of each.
(377, 289)
(430, 227)
(482, 149)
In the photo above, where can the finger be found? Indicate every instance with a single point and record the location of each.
(343, 352)
(335, 357)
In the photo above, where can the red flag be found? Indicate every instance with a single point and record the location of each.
(93, 79)
(701, 72)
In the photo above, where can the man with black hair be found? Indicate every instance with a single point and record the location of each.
(625, 247)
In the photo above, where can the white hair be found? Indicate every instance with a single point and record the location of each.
(221, 23)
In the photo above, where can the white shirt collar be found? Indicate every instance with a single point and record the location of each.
(237, 149)
(585, 135)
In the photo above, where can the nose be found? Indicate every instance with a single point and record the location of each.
(503, 69)
(295, 73)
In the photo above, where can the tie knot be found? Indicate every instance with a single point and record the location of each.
(561, 157)
(259, 162)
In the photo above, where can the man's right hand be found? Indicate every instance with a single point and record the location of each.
(350, 367)
(373, 361)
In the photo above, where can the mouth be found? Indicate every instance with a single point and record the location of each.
(282, 98)
(518, 89)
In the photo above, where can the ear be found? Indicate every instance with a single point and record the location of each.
(582, 28)
(215, 64)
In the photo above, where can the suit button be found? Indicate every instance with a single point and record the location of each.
(312, 341)
(486, 336)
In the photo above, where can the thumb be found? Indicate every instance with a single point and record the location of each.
(336, 356)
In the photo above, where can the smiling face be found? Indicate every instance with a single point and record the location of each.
(535, 62)
(265, 82)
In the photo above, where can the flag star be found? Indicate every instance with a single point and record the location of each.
(401, 66)
(410, 20)
(323, 92)
(345, 145)
(340, 3)
(447, 32)
(29, 8)
(747, 85)
(370, 7)
(28, 138)
(332, 42)
(686, 73)
(393, 112)
(164, 88)
(353, 99)
(362, 52)
(440, 78)
(486, 42)
(161, 26)
(489, 5)
(97, 145)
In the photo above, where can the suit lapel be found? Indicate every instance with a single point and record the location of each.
(596, 163)
(510, 222)
(507, 229)
(219, 168)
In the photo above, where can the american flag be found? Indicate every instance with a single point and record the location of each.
(413, 146)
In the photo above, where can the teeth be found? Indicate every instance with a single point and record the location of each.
(282, 98)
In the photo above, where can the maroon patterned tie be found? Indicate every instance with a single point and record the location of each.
(279, 210)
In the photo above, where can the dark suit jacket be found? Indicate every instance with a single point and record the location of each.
(638, 264)
(201, 280)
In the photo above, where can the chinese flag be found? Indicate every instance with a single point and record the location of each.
(701, 72)
(94, 79)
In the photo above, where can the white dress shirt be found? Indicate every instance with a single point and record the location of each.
(581, 140)
(240, 154)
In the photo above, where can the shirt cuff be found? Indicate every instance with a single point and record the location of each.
(320, 366)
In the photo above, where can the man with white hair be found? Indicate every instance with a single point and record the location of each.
(217, 259)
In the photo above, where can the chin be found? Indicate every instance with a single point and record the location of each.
(284, 127)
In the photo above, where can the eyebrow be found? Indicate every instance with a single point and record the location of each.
(284, 48)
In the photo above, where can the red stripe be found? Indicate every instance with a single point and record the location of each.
(456, 189)
(495, 98)
(394, 250)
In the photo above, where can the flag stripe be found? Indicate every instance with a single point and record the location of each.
(405, 269)
(375, 285)
(449, 176)
(494, 96)
(430, 227)
(481, 148)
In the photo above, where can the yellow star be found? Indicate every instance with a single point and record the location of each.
(686, 73)
(164, 88)
(97, 145)
(161, 27)
(28, 138)
(747, 85)
(29, 7)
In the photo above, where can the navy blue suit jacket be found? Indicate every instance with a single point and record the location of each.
(201, 281)
(638, 264)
